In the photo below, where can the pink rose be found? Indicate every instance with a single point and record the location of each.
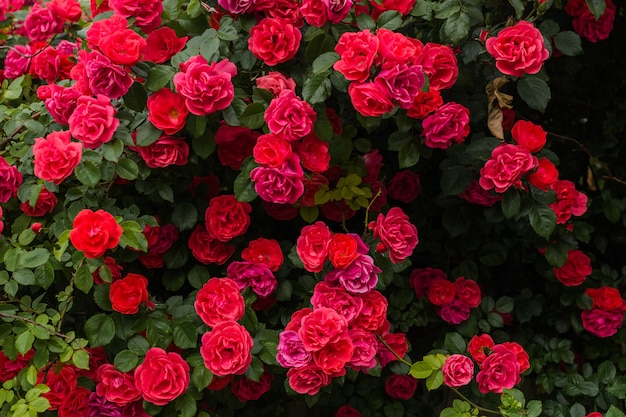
(337, 10)
(505, 168)
(10, 180)
(439, 65)
(42, 23)
(236, 6)
(448, 124)
(281, 185)
(359, 277)
(275, 82)
(147, 13)
(314, 154)
(308, 379)
(395, 47)
(518, 49)
(258, 276)
(290, 117)
(602, 323)
(291, 352)
(321, 327)
(117, 387)
(500, 370)
(402, 82)
(165, 151)
(365, 348)
(207, 88)
(458, 371)
(575, 270)
(396, 233)
(337, 298)
(315, 12)
(370, 99)
(569, 201)
(103, 76)
(17, 61)
(93, 121)
(56, 156)
(60, 101)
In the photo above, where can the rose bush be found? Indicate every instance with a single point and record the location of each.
(281, 207)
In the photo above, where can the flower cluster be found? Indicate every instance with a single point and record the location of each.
(607, 311)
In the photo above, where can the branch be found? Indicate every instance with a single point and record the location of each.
(34, 323)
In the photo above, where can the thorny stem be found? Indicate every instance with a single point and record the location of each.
(409, 364)
(34, 323)
(369, 206)
(609, 175)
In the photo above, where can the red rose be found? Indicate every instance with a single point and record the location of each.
(529, 136)
(75, 404)
(41, 23)
(505, 168)
(205, 186)
(226, 349)
(166, 151)
(545, 175)
(400, 387)
(312, 246)
(396, 234)
(315, 12)
(147, 13)
(274, 40)
(347, 411)
(290, 117)
(518, 49)
(10, 368)
(162, 376)
(219, 300)
(440, 65)
(441, 291)
(264, 251)
(477, 346)
(282, 212)
(403, 7)
(338, 299)
(370, 99)
(61, 383)
(458, 370)
(100, 29)
(10, 180)
(227, 218)
(248, 390)
(93, 121)
(321, 327)
(219, 383)
(357, 51)
(69, 10)
(123, 47)
(207, 88)
(234, 144)
(308, 379)
(569, 201)
(586, 24)
(101, 75)
(374, 311)
(162, 44)
(447, 124)
(167, 111)
(95, 232)
(115, 271)
(520, 354)
(500, 370)
(117, 387)
(397, 48)
(606, 298)
(314, 154)
(207, 249)
(395, 344)
(421, 279)
(334, 355)
(128, 293)
(342, 250)
(468, 292)
(271, 150)
(575, 270)
(405, 186)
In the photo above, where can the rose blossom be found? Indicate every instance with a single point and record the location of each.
(321, 327)
(528, 135)
(275, 82)
(165, 151)
(264, 251)
(290, 351)
(359, 277)
(162, 44)
(400, 387)
(226, 349)
(505, 168)
(10, 368)
(477, 346)
(476, 194)
(518, 49)
(439, 64)
(207, 88)
(365, 349)
(167, 111)
(227, 218)
(69, 10)
(117, 387)
(458, 370)
(520, 354)
(274, 40)
(75, 404)
(468, 292)
(314, 154)
(575, 270)
(95, 232)
(405, 186)
(569, 201)
(234, 144)
(61, 381)
(602, 323)
(290, 117)
(394, 47)
(93, 121)
(312, 246)
(500, 370)
(236, 6)
(403, 7)
(257, 276)
(103, 76)
(60, 101)
(347, 411)
(56, 156)
(337, 298)
(421, 279)
(424, 103)
(373, 163)
(402, 82)
(448, 124)
(98, 406)
(374, 311)
(606, 298)
(41, 23)
(454, 312)
(395, 344)
(128, 293)
(123, 47)
(586, 24)
(281, 185)
(396, 233)
(334, 355)
(10, 180)
(357, 51)
(147, 13)
(545, 175)
(219, 300)
(17, 61)
(162, 376)
(248, 390)
(370, 99)
(307, 379)
(207, 249)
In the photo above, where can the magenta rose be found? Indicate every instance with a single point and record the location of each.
(290, 350)
(518, 49)
(586, 24)
(365, 349)
(602, 323)
(236, 6)
(405, 186)
(505, 168)
(458, 371)
(207, 88)
(10, 180)
(359, 277)
(396, 233)
(41, 23)
(454, 312)
(17, 61)
(60, 101)
(448, 124)
(290, 117)
(103, 76)
(93, 121)
(258, 276)
(403, 82)
(500, 370)
(281, 185)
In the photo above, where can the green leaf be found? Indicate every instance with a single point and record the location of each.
(201, 377)
(421, 370)
(320, 44)
(80, 358)
(493, 254)
(24, 277)
(542, 219)
(194, 9)
(147, 134)
(196, 125)
(255, 370)
(457, 26)
(457, 220)
(390, 19)
(324, 62)
(83, 279)
(510, 203)
(309, 214)
(88, 173)
(317, 88)
(136, 97)
(534, 408)
(556, 254)
(126, 360)
(597, 9)
(100, 330)
(185, 406)
(568, 43)
(455, 343)
(455, 180)
(409, 155)
(535, 92)
(435, 380)
(24, 341)
(243, 186)
(185, 335)
(365, 21)
(394, 409)
(127, 169)
(34, 258)
(203, 146)
(505, 304)
(519, 8)
(113, 149)
(227, 33)
(159, 76)
(253, 116)
(166, 192)
(184, 216)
